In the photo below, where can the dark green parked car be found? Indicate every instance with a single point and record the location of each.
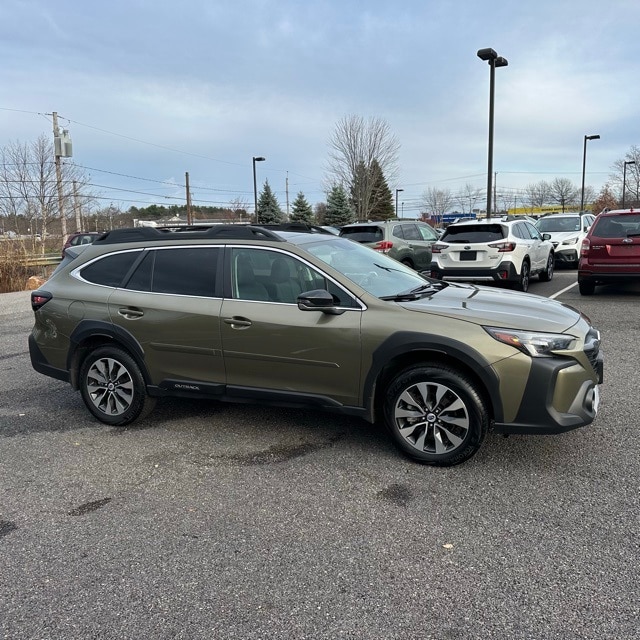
(311, 320)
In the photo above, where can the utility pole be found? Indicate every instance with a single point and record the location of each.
(189, 213)
(495, 192)
(58, 154)
(287, 192)
(76, 207)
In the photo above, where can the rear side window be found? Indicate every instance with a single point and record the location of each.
(371, 233)
(474, 233)
(110, 270)
(188, 271)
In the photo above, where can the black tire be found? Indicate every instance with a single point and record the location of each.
(113, 388)
(407, 263)
(525, 276)
(587, 287)
(436, 395)
(547, 274)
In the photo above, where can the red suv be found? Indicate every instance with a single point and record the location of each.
(611, 250)
(77, 238)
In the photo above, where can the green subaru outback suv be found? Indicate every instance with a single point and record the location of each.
(245, 313)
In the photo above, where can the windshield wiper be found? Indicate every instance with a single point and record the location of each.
(418, 292)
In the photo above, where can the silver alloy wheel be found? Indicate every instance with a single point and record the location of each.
(110, 386)
(431, 417)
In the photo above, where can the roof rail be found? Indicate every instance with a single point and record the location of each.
(302, 227)
(183, 232)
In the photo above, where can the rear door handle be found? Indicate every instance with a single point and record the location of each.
(237, 323)
(129, 313)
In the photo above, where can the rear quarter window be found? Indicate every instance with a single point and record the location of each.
(111, 270)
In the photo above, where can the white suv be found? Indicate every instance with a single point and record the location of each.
(567, 231)
(505, 251)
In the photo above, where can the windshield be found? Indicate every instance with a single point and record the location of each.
(373, 271)
(557, 225)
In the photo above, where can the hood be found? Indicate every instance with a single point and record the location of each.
(498, 308)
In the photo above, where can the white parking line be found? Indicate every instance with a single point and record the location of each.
(558, 293)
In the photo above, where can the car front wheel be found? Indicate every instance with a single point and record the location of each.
(113, 388)
(436, 415)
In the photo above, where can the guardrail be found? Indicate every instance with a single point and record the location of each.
(41, 261)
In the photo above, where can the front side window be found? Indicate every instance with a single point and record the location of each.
(427, 232)
(263, 275)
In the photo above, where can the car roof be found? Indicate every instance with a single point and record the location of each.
(618, 212)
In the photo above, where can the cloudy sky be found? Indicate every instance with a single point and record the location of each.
(150, 89)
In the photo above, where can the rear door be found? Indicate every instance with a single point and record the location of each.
(171, 305)
(418, 241)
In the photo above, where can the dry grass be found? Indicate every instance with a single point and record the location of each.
(13, 272)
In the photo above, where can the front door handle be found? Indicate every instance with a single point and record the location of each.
(237, 323)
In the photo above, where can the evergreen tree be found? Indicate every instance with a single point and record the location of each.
(382, 206)
(301, 210)
(269, 211)
(339, 211)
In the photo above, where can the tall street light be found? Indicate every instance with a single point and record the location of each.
(624, 178)
(584, 164)
(397, 191)
(494, 60)
(255, 187)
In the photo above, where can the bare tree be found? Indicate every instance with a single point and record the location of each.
(437, 202)
(631, 177)
(28, 185)
(537, 194)
(564, 192)
(358, 150)
(467, 197)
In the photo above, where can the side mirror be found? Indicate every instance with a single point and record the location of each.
(318, 300)
(546, 236)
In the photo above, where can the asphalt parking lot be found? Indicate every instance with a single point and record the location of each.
(225, 521)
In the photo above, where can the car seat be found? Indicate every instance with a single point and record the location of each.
(248, 287)
(285, 287)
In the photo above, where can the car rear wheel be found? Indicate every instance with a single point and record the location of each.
(436, 415)
(113, 388)
(586, 287)
(547, 274)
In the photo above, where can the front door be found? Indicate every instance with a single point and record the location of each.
(270, 345)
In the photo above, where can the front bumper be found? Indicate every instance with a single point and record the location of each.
(550, 383)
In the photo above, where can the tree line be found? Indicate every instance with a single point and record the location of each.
(363, 162)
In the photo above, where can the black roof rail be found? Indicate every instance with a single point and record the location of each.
(302, 227)
(184, 232)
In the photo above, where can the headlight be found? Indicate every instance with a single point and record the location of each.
(536, 345)
(570, 240)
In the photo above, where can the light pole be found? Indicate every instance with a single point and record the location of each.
(255, 186)
(494, 60)
(584, 164)
(397, 191)
(624, 178)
